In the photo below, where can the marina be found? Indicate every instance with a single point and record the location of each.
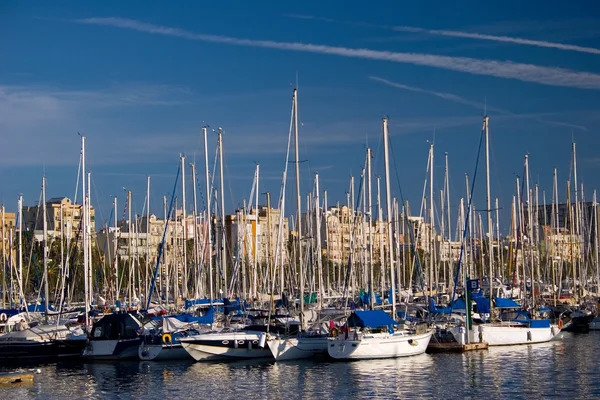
(257, 201)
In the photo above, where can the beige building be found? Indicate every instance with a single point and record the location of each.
(242, 231)
(59, 211)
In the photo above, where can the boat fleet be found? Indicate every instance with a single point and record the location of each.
(207, 307)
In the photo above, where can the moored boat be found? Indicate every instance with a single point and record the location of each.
(372, 334)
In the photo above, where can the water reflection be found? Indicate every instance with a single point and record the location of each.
(566, 367)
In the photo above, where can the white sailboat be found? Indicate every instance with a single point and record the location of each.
(515, 326)
(226, 345)
(372, 334)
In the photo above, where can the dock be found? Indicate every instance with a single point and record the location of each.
(16, 378)
(455, 347)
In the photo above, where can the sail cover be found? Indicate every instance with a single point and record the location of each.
(370, 319)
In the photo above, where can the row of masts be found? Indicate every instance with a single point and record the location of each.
(184, 276)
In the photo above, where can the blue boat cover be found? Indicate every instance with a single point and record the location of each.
(370, 319)
(506, 303)
(39, 308)
(366, 298)
(459, 304)
(483, 304)
(207, 318)
(438, 310)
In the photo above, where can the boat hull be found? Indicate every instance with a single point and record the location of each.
(112, 349)
(31, 350)
(298, 347)
(378, 346)
(225, 346)
(159, 352)
(506, 335)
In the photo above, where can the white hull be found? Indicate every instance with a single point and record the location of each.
(159, 352)
(506, 335)
(225, 346)
(379, 345)
(298, 347)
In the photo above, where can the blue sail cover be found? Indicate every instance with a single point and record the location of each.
(207, 318)
(506, 303)
(459, 304)
(438, 310)
(483, 303)
(370, 319)
(366, 298)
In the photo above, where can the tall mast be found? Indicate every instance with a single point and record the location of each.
(114, 250)
(370, 225)
(555, 231)
(298, 210)
(84, 231)
(20, 210)
(530, 226)
(208, 217)
(195, 237)
(223, 244)
(327, 241)
(318, 239)
(256, 225)
(380, 234)
(389, 214)
(576, 220)
(431, 222)
(45, 239)
(148, 275)
(165, 260)
(595, 217)
(184, 284)
(489, 212)
(130, 250)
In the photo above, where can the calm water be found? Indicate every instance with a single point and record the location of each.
(567, 367)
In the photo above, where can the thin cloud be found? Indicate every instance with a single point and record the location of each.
(461, 100)
(501, 69)
(494, 38)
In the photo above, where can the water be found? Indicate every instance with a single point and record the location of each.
(565, 367)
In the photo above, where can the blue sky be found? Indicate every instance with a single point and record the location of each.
(140, 79)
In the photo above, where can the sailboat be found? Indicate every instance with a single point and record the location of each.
(515, 325)
(306, 343)
(41, 341)
(373, 333)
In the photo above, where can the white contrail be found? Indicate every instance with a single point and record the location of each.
(506, 39)
(461, 100)
(501, 69)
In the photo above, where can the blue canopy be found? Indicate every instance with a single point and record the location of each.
(370, 319)
(506, 303)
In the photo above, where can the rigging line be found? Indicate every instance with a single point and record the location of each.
(278, 244)
(162, 243)
(352, 235)
(466, 225)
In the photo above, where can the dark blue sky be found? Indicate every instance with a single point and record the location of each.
(140, 79)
